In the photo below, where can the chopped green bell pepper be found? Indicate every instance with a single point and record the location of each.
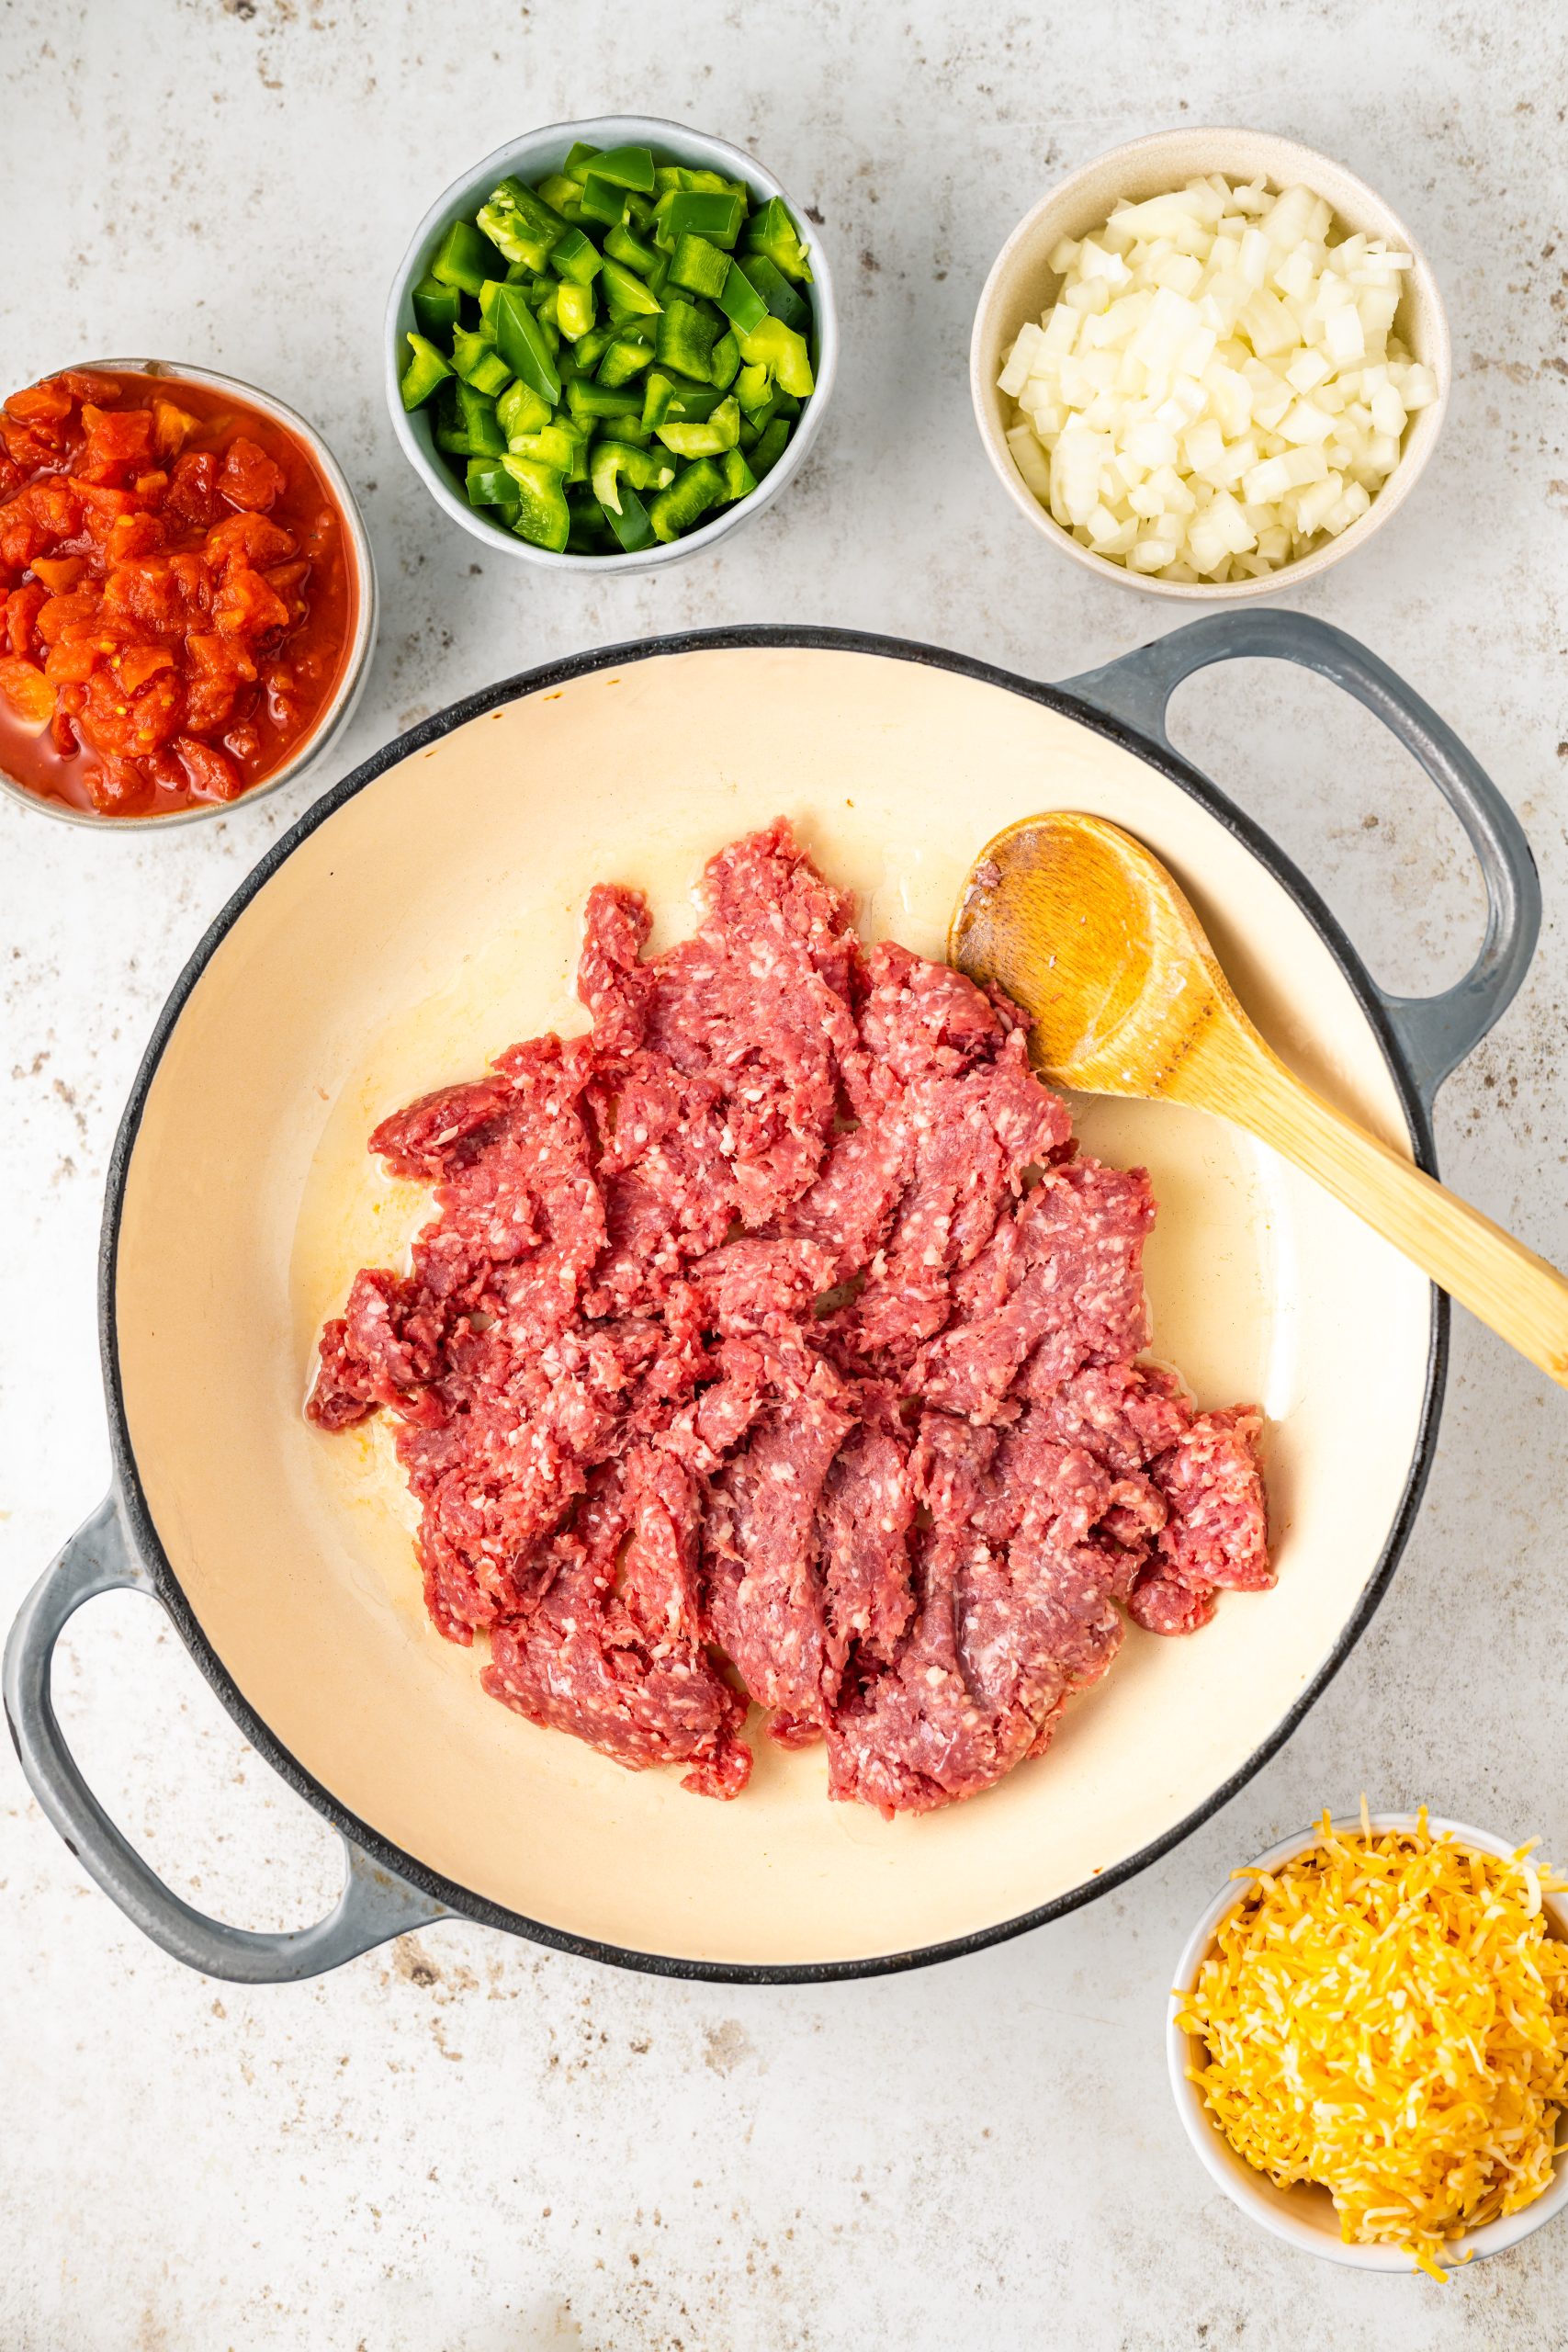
(686, 499)
(520, 409)
(462, 258)
(777, 292)
(780, 407)
(586, 399)
(658, 396)
(769, 449)
(630, 251)
(686, 338)
(638, 298)
(552, 445)
(625, 294)
(697, 401)
(446, 408)
(523, 343)
(738, 479)
(479, 363)
(753, 389)
(590, 533)
(624, 167)
(772, 232)
(612, 460)
(563, 196)
(543, 515)
(623, 359)
(666, 397)
(576, 257)
(629, 522)
(426, 369)
(478, 422)
(780, 348)
(699, 213)
(574, 308)
(720, 431)
(488, 483)
(724, 364)
(739, 300)
(602, 201)
(437, 308)
(591, 347)
(698, 266)
(519, 224)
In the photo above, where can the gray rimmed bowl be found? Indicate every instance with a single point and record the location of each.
(335, 714)
(535, 153)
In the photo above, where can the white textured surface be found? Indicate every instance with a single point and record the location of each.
(463, 2141)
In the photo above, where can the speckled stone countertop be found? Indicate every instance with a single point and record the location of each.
(462, 2141)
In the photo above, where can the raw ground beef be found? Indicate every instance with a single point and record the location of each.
(774, 1339)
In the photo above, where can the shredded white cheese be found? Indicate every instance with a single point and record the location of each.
(1218, 387)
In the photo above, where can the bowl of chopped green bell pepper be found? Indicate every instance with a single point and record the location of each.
(609, 343)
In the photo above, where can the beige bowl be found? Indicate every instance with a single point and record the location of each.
(1021, 286)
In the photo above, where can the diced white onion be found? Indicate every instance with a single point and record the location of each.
(1217, 385)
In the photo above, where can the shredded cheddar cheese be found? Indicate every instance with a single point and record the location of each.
(1388, 2015)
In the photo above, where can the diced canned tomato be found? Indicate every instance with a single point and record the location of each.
(177, 599)
(213, 774)
(26, 693)
(21, 609)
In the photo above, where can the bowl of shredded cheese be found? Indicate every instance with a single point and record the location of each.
(1367, 2042)
(1210, 363)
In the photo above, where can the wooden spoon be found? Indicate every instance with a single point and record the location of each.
(1090, 934)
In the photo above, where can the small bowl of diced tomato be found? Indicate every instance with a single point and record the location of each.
(610, 343)
(187, 600)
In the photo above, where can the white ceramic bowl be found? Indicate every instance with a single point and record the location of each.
(531, 157)
(1021, 284)
(337, 713)
(1304, 2216)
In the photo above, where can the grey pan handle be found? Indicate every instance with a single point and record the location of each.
(375, 1904)
(1435, 1033)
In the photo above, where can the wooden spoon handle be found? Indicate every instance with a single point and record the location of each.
(1506, 1285)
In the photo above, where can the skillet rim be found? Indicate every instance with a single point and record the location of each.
(460, 1900)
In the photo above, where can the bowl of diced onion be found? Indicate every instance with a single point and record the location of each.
(1211, 363)
(1367, 2042)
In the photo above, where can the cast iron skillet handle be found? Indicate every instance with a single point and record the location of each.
(375, 1904)
(1435, 1033)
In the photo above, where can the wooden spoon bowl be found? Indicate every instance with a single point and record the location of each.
(1086, 931)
